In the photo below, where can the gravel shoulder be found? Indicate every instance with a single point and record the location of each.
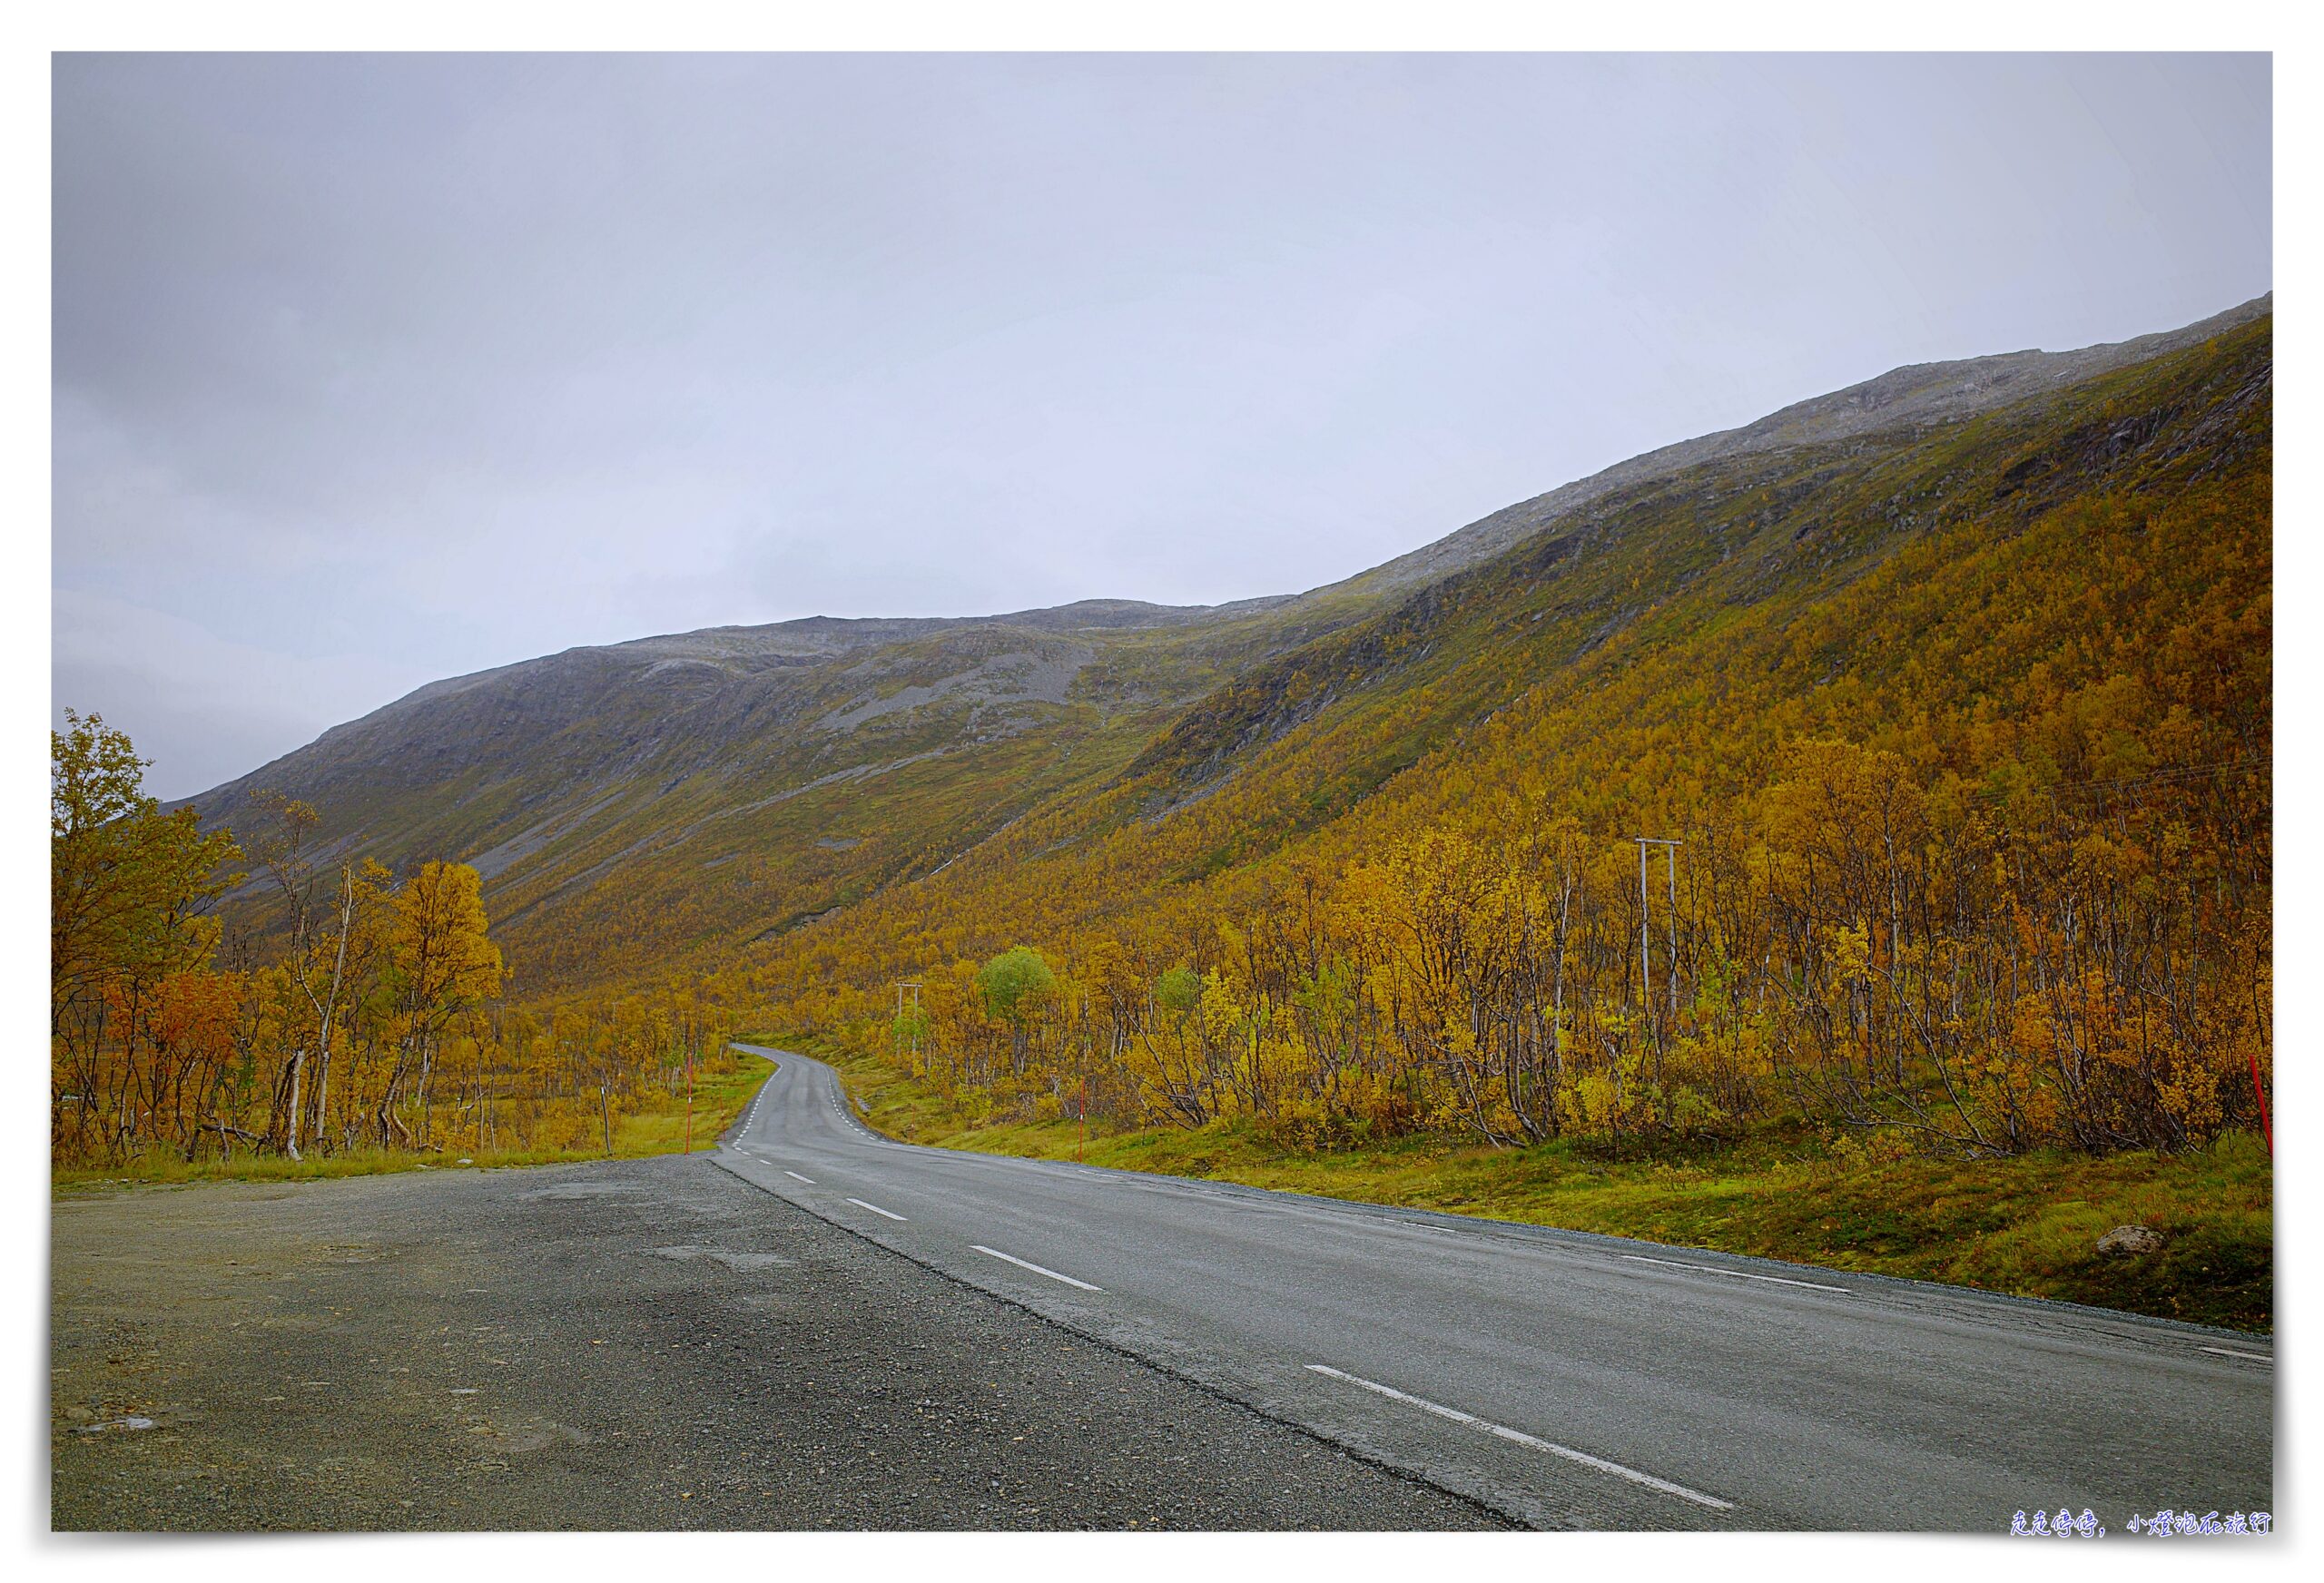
(637, 1344)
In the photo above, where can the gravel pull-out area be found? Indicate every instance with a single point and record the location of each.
(638, 1344)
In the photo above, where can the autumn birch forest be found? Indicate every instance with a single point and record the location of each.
(1974, 826)
(353, 1011)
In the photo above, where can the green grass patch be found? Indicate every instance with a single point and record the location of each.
(2028, 1226)
(718, 1100)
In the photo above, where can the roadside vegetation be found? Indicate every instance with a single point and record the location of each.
(723, 1087)
(366, 1029)
(2028, 1226)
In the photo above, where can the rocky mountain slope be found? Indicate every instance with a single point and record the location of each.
(684, 798)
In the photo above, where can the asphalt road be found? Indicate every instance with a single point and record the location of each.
(1564, 1380)
(642, 1343)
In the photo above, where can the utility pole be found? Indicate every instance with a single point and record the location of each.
(1645, 927)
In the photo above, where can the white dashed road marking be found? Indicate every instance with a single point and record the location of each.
(1738, 1274)
(1036, 1269)
(795, 1176)
(875, 1209)
(2231, 1352)
(1522, 1439)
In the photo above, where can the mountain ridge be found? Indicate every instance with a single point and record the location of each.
(1911, 392)
(807, 765)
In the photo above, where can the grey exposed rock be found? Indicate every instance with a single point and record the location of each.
(2127, 1241)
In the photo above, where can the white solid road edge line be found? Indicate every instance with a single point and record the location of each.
(875, 1209)
(1522, 1439)
(1036, 1269)
(2231, 1352)
(1738, 1274)
(795, 1176)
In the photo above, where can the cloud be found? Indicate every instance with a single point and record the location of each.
(371, 369)
(203, 709)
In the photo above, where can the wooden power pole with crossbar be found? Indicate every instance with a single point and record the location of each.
(1645, 927)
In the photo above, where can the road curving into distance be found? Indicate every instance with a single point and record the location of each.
(1566, 1379)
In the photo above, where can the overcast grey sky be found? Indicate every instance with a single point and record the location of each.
(369, 370)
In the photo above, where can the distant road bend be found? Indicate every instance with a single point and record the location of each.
(1567, 1380)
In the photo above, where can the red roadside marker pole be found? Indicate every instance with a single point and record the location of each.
(2260, 1094)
